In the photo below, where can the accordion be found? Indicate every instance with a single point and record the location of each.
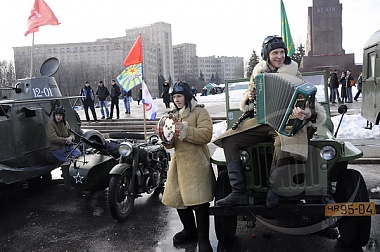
(276, 96)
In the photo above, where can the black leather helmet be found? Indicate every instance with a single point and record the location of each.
(274, 42)
(59, 110)
(181, 87)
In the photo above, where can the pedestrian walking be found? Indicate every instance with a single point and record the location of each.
(360, 86)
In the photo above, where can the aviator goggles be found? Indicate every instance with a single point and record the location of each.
(271, 38)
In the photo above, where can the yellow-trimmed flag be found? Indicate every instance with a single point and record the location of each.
(130, 77)
(133, 74)
(285, 31)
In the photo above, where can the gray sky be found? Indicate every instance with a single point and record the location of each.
(220, 28)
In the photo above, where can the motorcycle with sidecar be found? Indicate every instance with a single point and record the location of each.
(125, 163)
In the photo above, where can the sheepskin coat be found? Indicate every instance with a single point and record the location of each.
(190, 178)
(296, 145)
(57, 132)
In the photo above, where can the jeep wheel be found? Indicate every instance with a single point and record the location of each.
(354, 231)
(225, 225)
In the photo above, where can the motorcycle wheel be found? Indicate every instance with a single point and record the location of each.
(120, 195)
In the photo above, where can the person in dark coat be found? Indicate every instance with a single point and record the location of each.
(334, 84)
(115, 93)
(88, 100)
(343, 92)
(165, 94)
(360, 86)
(139, 97)
(102, 93)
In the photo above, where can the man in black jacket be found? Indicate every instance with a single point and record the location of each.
(115, 93)
(102, 93)
(88, 98)
(334, 84)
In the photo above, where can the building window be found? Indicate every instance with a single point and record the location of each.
(94, 48)
(88, 48)
(68, 49)
(62, 50)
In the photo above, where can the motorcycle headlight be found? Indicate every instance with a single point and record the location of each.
(328, 152)
(244, 156)
(125, 149)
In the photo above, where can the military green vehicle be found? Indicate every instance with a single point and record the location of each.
(371, 81)
(319, 194)
(24, 155)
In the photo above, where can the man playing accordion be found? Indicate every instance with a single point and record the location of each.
(247, 131)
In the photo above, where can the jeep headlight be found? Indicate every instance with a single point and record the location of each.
(125, 149)
(244, 156)
(328, 152)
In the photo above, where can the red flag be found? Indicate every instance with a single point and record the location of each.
(40, 15)
(135, 56)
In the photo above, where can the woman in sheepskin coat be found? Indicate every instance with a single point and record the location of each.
(190, 181)
(275, 60)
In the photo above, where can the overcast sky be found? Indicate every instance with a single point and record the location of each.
(220, 28)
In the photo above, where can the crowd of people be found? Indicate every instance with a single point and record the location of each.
(346, 82)
(103, 95)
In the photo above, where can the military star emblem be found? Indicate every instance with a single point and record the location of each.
(78, 178)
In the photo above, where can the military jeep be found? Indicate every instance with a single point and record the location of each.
(321, 190)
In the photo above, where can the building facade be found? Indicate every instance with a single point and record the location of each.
(188, 66)
(103, 60)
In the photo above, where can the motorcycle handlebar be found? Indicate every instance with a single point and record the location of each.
(96, 145)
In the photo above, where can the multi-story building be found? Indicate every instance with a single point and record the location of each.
(188, 66)
(222, 68)
(159, 34)
(103, 60)
(185, 62)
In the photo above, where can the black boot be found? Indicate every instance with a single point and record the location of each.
(203, 227)
(189, 232)
(238, 181)
(272, 198)
(66, 175)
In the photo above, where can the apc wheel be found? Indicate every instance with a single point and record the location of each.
(225, 225)
(354, 231)
(40, 181)
(120, 195)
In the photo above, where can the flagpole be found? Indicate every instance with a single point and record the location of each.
(142, 72)
(144, 121)
(31, 58)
